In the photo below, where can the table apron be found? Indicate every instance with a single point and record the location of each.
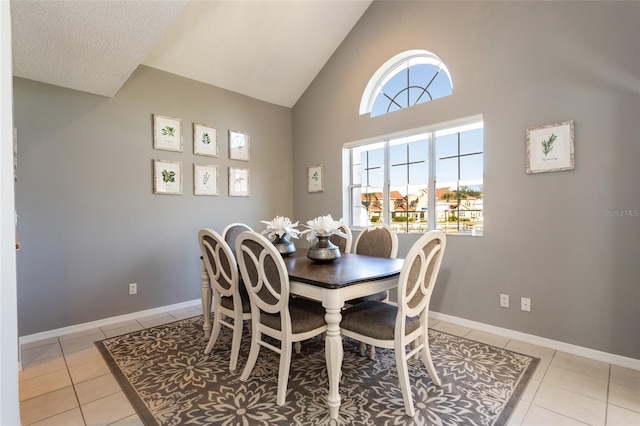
(336, 297)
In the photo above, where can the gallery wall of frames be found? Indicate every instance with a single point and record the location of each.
(168, 174)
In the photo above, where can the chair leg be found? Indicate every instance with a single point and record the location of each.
(363, 349)
(297, 346)
(428, 362)
(253, 355)
(372, 352)
(235, 343)
(283, 374)
(403, 377)
(214, 332)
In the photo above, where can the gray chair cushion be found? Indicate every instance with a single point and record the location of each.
(375, 319)
(306, 315)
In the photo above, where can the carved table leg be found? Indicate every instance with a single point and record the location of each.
(334, 354)
(206, 300)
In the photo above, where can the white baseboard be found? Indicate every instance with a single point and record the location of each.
(593, 354)
(613, 359)
(106, 321)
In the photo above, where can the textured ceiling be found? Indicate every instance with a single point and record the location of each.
(269, 50)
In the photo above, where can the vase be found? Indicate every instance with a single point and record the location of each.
(324, 251)
(284, 245)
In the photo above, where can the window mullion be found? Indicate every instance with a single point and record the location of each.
(431, 190)
(386, 208)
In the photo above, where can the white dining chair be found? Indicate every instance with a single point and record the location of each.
(389, 326)
(231, 306)
(273, 312)
(377, 241)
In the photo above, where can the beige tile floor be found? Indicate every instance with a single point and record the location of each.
(66, 382)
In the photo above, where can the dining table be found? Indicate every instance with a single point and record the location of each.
(332, 283)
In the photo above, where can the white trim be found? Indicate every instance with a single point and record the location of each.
(617, 360)
(410, 132)
(106, 321)
(593, 354)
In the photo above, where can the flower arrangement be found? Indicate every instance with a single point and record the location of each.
(323, 226)
(279, 226)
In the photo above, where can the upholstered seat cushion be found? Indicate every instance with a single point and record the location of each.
(227, 302)
(375, 319)
(306, 315)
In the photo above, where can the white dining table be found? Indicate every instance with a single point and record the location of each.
(346, 278)
(349, 277)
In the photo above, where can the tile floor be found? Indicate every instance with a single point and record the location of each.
(66, 382)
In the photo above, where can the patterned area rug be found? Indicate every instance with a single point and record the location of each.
(169, 380)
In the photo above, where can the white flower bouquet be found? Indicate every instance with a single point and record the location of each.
(279, 226)
(323, 226)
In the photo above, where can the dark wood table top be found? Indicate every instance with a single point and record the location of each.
(347, 270)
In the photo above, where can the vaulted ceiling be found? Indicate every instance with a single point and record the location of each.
(269, 50)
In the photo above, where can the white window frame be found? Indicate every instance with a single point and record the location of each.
(347, 178)
(389, 69)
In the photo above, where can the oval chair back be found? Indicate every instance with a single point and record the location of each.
(419, 274)
(231, 232)
(343, 243)
(378, 241)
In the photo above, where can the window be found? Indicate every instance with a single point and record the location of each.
(409, 78)
(427, 179)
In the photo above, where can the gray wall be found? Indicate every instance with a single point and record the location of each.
(89, 222)
(547, 236)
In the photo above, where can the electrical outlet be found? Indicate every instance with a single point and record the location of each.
(133, 288)
(504, 300)
(525, 304)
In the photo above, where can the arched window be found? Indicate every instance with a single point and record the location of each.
(409, 78)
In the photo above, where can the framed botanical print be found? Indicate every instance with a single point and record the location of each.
(238, 145)
(315, 178)
(167, 133)
(205, 179)
(550, 148)
(238, 182)
(205, 140)
(167, 177)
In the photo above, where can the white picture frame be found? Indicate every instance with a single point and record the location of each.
(550, 148)
(239, 145)
(167, 133)
(205, 140)
(205, 179)
(239, 182)
(315, 178)
(167, 177)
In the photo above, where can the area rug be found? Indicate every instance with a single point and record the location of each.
(170, 381)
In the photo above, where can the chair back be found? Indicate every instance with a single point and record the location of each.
(419, 274)
(219, 262)
(231, 232)
(343, 243)
(264, 274)
(378, 241)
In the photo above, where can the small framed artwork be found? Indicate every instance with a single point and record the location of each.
(238, 145)
(167, 133)
(238, 182)
(205, 179)
(167, 177)
(315, 179)
(550, 148)
(205, 140)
